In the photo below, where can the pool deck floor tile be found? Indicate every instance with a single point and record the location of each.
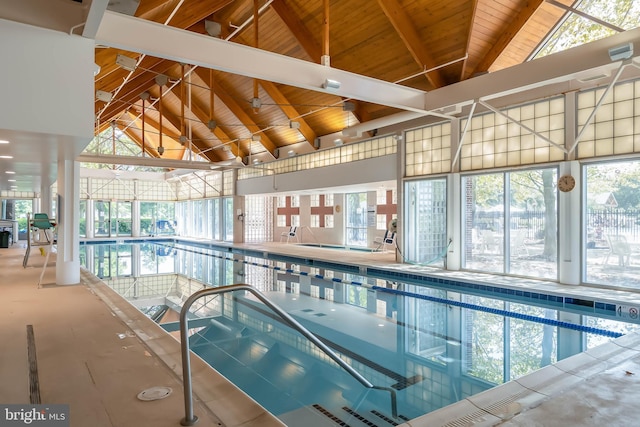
(93, 356)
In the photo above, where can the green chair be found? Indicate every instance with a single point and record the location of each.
(42, 222)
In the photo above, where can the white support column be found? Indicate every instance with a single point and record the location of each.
(401, 165)
(46, 203)
(569, 205)
(453, 259)
(89, 228)
(135, 218)
(238, 219)
(569, 227)
(68, 260)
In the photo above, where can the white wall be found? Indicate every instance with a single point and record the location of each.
(42, 70)
(361, 172)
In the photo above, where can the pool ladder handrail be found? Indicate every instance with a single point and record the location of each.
(189, 418)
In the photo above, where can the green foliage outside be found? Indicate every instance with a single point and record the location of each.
(577, 30)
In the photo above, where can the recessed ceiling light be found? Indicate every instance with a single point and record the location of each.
(10, 172)
(6, 157)
(11, 180)
(3, 141)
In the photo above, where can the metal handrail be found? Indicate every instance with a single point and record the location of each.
(189, 418)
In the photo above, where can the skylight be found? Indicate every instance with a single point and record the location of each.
(593, 20)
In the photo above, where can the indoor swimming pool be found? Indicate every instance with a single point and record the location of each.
(423, 343)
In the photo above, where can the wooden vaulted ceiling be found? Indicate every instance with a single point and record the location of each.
(390, 40)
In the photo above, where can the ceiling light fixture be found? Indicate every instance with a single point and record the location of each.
(621, 52)
(291, 153)
(214, 29)
(255, 138)
(6, 157)
(331, 84)
(338, 142)
(3, 141)
(294, 125)
(256, 103)
(11, 180)
(10, 172)
(103, 96)
(126, 62)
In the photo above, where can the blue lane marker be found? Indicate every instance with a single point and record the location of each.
(505, 313)
(495, 311)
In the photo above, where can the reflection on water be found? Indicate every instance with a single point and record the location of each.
(433, 346)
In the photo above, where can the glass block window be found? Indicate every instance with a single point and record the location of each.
(371, 148)
(295, 201)
(258, 223)
(154, 190)
(281, 220)
(314, 221)
(84, 188)
(228, 183)
(494, 141)
(381, 222)
(328, 199)
(110, 189)
(314, 200)
(428, 150)
(282, 201)
(615, 128)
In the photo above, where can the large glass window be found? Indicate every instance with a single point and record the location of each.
(121, 218)
(228, 219)
(356, 219)
(102, 218)
(612, 224)
(83, 218)
(510, 223)
(157, 218)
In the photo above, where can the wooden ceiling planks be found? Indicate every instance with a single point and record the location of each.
(507, 34)
(385, 39)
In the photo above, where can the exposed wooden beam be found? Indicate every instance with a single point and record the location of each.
(289, 110)
(237, 111)
(149, 122)
(472, 20)
(130, 92)
(409, 35)
(198, 111)
(161, 10)
(299, 31)
(143, 139)
(138, 140)
(173, 120)
(507, 36)
(151, 141)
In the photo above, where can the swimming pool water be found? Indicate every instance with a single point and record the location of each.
(432, 345)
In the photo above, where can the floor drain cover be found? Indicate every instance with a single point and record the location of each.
(154, 393)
